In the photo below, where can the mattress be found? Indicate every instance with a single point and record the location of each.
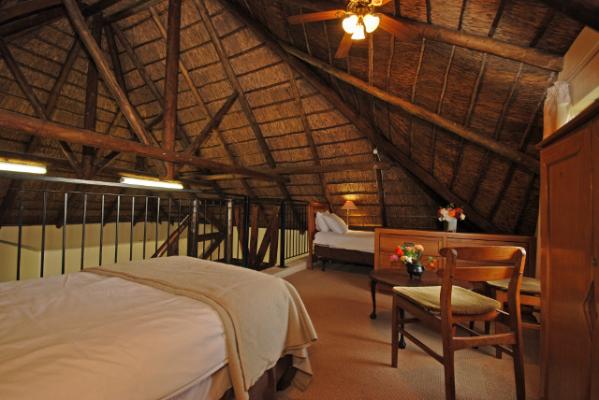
(86, 336)
(352, 240)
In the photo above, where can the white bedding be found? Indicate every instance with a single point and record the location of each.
(85, 336)
(352, 240)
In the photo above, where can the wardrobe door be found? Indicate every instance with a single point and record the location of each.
(595, 262)
(566, 228)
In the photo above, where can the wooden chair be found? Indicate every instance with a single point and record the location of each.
(446, 307)
(530, 296)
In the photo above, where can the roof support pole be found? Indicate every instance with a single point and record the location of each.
(171, 86)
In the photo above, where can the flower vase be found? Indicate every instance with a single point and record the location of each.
(451, 224)
(414, 270)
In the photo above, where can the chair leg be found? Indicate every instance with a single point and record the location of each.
(394, 332)
(498, 329)
(519, 370)
(448, 366)
(402, 340)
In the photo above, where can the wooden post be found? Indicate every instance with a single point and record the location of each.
(171, 86)
(91, 101)
(192, 231)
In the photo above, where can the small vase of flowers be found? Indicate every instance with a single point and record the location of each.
(411, 255)
(450, 216)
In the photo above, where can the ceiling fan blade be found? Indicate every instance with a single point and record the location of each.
(316, 16)
(398, 29)
(344, 46)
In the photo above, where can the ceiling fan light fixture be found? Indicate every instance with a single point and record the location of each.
(350, 23)
(371, 22)
(359, 34)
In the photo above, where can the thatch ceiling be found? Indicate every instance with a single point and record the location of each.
(283, 117)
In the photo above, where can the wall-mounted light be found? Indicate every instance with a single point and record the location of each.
(22, 166)
(148, 181)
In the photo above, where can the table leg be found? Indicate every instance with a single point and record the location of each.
(373, 295)
(402, 340)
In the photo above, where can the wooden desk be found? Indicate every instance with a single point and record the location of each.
(386, 240)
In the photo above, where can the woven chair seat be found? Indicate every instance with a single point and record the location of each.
(463, 301)
(528, 286)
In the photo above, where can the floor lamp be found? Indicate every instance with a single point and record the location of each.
(348, 205)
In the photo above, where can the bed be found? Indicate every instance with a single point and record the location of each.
(167, 328)
(355, 247)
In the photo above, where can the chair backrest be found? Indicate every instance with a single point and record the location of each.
(479, 264)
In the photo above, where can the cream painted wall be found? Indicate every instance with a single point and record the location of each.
(31, 247)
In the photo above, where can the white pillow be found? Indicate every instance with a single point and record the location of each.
(321, 224)
(336, 223)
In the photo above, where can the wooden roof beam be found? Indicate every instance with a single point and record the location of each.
(491, 144)
(96, 53)
(385, 147)
(32, 14)
(308, 130)
(245, 105)
(401, 26)
(147, 80)
(33, 126)
(39, 110)
(197, 97)
(212, 124)
(584, 11)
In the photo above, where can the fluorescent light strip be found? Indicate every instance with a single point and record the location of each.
(151, 183)
(22, 168)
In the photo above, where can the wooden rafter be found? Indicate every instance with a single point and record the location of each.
(388, 149)
(400, 26)
(212, 124)
(584, 11)
(96, 53)
(146, 77)
(14, 185)
(39, 110)
(171, 85)
(308, 130)
(33, 126)
(421, 112)
(486, 161)
(233, 79)
(199, 101)
(44, 14)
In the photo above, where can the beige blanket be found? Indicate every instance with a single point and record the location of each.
(263, 316)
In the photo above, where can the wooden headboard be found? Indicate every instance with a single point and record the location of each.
(313, 208)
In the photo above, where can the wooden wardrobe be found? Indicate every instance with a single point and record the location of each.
(569, 237)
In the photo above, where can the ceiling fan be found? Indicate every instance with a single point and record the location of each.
(359, 18)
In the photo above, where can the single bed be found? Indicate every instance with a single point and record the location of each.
(354, 247)
(157, 329)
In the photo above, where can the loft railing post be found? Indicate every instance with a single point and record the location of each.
(246, 231)
(192, 234)
(283, 216)
(229, 237)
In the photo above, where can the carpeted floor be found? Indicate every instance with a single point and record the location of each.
(351, 359)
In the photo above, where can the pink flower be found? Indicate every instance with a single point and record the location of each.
(394, 258)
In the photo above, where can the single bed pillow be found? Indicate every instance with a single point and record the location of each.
(321, 224)
(336, 223)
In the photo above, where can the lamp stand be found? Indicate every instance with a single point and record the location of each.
(347, 217)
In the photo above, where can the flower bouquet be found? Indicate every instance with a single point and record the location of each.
(411, 255)
(450, 215)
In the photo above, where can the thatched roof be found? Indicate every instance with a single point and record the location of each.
(289, 114)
